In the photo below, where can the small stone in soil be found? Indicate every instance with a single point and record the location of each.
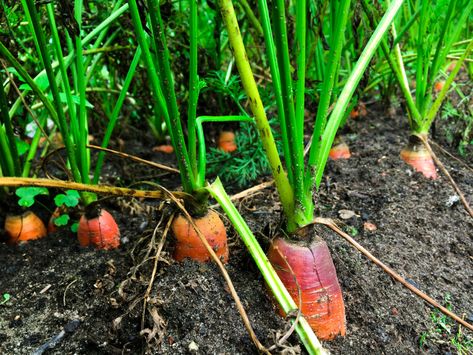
(193, 347)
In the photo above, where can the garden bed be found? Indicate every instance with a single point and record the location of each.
(420, 231)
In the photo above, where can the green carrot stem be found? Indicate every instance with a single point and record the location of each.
(11, 155)
(276, 78)
(286, 194)
(251, 16)
(327, 89)
(441, 96)
(193, 86)
(280, 292)
(61, 118)
(116, 111)
(168, 86)
(350, 86)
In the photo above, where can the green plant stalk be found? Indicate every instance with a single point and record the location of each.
(30, 26)
(105, 23)
(174, 124)
(193, 87)
(202, 163)
(251, 16)
(397, 67)
(61, 118)
(282, 51)
(62, 69)
(33, 146)
(350, 86)
(92, 61)
(67, 61)
(280, 292)
(81, 146)
(447, 40)
(160, 106)
(334, 57)
(441, 96)
(302, 204)
(286, 193)
(6, 159)
(30, 81)
(406, 27)
(11, 155)
(116, 111)
(274, 67)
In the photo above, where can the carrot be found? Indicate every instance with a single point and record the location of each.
(165, 148)
(359, 111)
(188, 243)
(439, 85)
(312, 272)
(340, 150)
(100, 231)
(226, 141)
(417, 156)
(21, 228)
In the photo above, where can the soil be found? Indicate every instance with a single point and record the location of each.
(98, 297)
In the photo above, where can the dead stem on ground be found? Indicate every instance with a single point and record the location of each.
(331, 224)
(447, 174)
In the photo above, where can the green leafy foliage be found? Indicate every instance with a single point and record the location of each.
(75, 227)
(69, 199)
(246, 164)
(62, 220)
(27, 195)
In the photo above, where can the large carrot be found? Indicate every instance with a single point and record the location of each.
(99, 230)
(189, 245)
(308, 268)
(24, 227)
(416, 155)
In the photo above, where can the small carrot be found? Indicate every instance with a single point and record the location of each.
(188, 243)
(24, 227)
(312, 273)
(340, 151)
(359, 111)
(439, 85)
(226, 141)
(100, 231)
(418, 157)
(165, 148)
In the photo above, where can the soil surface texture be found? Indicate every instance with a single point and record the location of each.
(101, 302)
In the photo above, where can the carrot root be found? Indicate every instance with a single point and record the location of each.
(340, 151)
(313, 274)
(165, 148)
(226, 141)
(419, 158)
(25, 227)
(188, 243)
(100, 232)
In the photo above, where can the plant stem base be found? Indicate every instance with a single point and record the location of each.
(418, 157)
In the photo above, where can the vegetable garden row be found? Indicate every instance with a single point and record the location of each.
(230, 91)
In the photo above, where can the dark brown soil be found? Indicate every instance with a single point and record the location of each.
(97, 296)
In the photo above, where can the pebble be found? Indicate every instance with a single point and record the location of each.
(193, 347)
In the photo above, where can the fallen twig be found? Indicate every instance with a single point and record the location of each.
(444, 170)
(329, 223)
